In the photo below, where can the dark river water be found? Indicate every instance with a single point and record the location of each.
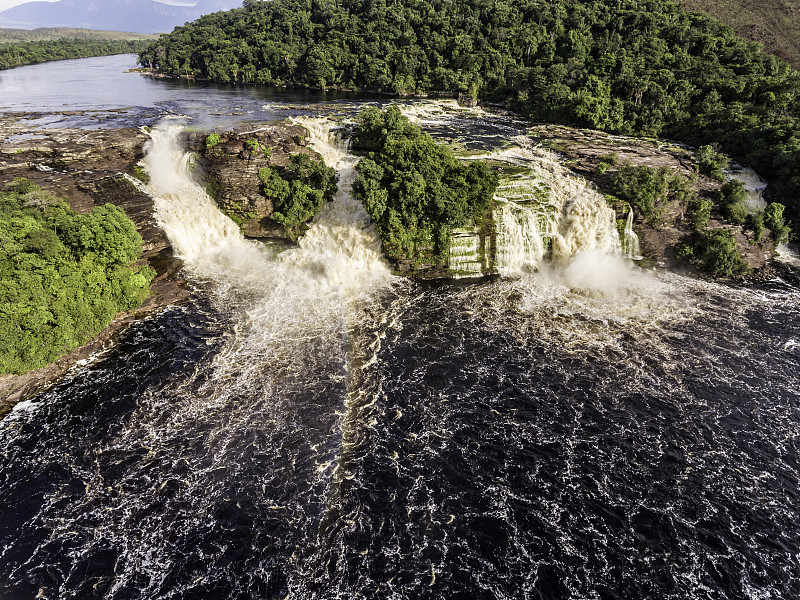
(515, 437)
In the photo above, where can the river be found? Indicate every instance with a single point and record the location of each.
(309, 426)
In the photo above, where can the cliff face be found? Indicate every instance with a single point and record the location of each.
(229, 164)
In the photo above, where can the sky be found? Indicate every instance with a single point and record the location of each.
(6, 4)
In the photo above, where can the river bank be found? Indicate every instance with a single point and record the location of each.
(87, 168)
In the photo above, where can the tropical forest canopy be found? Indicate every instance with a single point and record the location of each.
(415, 190)
(63, 275)
(632, 67)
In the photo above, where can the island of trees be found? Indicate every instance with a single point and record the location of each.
(415, 191)
(63, 276)
(631, 67)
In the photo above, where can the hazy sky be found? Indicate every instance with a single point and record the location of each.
(4, 4)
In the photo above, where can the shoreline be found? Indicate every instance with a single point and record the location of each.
(87, 168)
(17, 388)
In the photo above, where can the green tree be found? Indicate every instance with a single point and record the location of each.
(415, 190)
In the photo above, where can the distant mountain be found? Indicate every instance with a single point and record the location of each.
(140, 16)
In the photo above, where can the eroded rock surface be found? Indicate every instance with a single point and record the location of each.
(229, 169)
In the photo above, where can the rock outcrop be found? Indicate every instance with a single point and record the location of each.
(229, 163)
(583, 151)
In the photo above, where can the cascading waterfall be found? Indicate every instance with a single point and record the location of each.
(208, 241)
(304, 292)
(546, 212)
(630, 241)
(754, 186)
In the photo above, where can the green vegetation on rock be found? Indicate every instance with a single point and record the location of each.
(63, 275)
(710, 162)
(773, 218)
(212, 139)
(732, 199)
(415, 190)
(714, 251)
(650, 190)
(298, 191)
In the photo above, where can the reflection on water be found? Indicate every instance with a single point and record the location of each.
(102, 83)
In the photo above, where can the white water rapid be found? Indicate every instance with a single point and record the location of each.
(310, 292)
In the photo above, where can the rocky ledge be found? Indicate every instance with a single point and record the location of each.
(229, 164)
(87, 168)
(584, 151)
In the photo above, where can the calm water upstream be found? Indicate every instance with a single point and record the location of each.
(309, 426)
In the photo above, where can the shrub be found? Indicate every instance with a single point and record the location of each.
(699, 213)
(298, 193)
(710, 162)
(773, 218)
(212, 140)
(715, 252)
(755, 221)
(732, 199)
(650, 190)
(255, 147)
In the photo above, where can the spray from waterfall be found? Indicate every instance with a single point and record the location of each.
(311, 292)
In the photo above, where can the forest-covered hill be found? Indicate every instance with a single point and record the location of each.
(60, 33)
(28, 53)
(774, 23)
(633, 67)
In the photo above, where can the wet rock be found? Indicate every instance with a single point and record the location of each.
(229, 170)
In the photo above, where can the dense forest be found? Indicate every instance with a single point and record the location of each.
(63, 275)
(643, 68)
(415, 190)
(28, 53)
(68, 33)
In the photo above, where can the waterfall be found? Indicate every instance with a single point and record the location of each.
(754, 186)
(466, 258)
(545, 212)
(341, 246)
(277, 304)
(208, 241)
(340, 249)
(630, 241)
